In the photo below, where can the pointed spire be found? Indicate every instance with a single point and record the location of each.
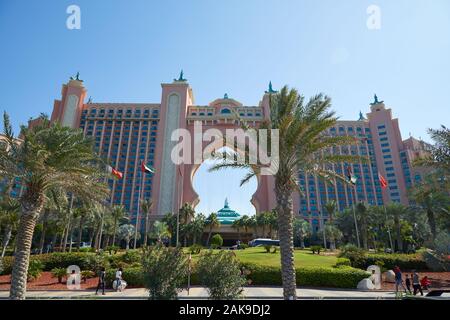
(361, 116)
(225, 96)
(271, 88)
(376, 101)
(181, 77)
(226, 203)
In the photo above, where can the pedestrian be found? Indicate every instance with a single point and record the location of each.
(408, 283)
(425, 283)
(101, 281)
(118, 279)
(398, 279)
(416, 283)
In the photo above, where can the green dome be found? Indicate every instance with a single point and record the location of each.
(226, 215)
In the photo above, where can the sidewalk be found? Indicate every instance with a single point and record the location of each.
(201, 293)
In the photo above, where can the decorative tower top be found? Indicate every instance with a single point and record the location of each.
(225, 96)
(376, 100)
(361, 117)
(271, 89)
(180, 78)
(77, 77)
(226, 203)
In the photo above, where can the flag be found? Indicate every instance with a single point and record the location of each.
(146, 169)
(115, 172)
(383, 181)
(351, 177)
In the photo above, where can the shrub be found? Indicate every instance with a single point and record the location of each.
(317, 249)
(59, 273)
(132, 256)
(268, 248)
(243, 246)
(112, 249)
(133, 276)
(165, 271)
(6, 265)
(221, 275)
(195, 248)
(356, 255)
(342, 262)
(34, 269)
(343, 277)
(87, 274)
(86, 250)
(216, 241)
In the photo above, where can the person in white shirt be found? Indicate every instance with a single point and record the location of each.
(119, 279)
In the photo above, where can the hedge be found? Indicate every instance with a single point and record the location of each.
(389, 261)
(343, 277)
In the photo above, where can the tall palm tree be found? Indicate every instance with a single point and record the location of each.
(252, 223)
(48, 156)
(186, 213)
(197, 226)
(171, 221)
(302, 230)
(146, 208)
(117, 212)
(302, 148)
(237, 224)
(397, 212)
(362, 214)
(160, 231)
(9, 217)
(330, 208)
(262, 220)
(212, 222)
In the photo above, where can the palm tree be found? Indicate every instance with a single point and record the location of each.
(117, 212)
(302, 230)
(48, 156)
(237, 224)
(302, 148)
(330, 208)
(160, 231)
(262, 220)
(126, 232)
(397, 212)
(197, 226)
(272, 222)
(146, 207)
(252, 223)
(171, 221)
(187, 213)
(9, 217)
(362, 214)
(212, 222)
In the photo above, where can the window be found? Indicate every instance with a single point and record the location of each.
(225, 111)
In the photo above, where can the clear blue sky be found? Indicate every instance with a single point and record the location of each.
(125, 49)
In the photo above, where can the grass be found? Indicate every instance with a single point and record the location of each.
(303, 258)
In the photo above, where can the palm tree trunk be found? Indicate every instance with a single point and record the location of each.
(302, 243)
(209, 236)
(431, 222)
(80, 233)
(399, 234)
(285, 222)
(146, 229)
(114, 232)
(27, 223)
(6, 239)
(42, 240)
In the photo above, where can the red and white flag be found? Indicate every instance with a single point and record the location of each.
(383, 181)
(116, 173)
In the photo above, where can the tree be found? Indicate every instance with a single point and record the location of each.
(363, 224)
(220, 273)
(126, 232)
(170, 220)
(196, 227)
(9, 217)
(117, 212)
(330, 208)
(48, 156)
(302, 148)
(186, 213)
(160, 231)
(302, 230)
(212, 222)
(397, 212)
(262, 220)
(146, 208)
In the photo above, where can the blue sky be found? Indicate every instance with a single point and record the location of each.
(125, 49)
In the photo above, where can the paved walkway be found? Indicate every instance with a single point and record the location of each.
(201, 293)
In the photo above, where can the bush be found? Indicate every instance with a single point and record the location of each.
(34, 269)
(343, 277)
(221, 275)
(342, 262)
(216, 241)
(132, 256)
(87, 274)
(112, 249)
(356, 255)
(59, 273)
(84, 250)
(165, 271)
(6, 265)
(195, 248)
(317, 249)
(133, 276)
(243, 246)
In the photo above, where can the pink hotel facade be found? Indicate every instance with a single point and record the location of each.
(129, 133)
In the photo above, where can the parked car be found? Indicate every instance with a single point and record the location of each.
(264, 242)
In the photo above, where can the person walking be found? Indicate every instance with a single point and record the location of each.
(119, 279)
(416, 283)
(408, 283)
(425, 283)
(101, 281)
(398, 279)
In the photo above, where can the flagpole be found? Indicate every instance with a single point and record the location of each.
(138, 210)
(388, 230)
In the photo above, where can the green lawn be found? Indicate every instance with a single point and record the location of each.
(303, 258)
